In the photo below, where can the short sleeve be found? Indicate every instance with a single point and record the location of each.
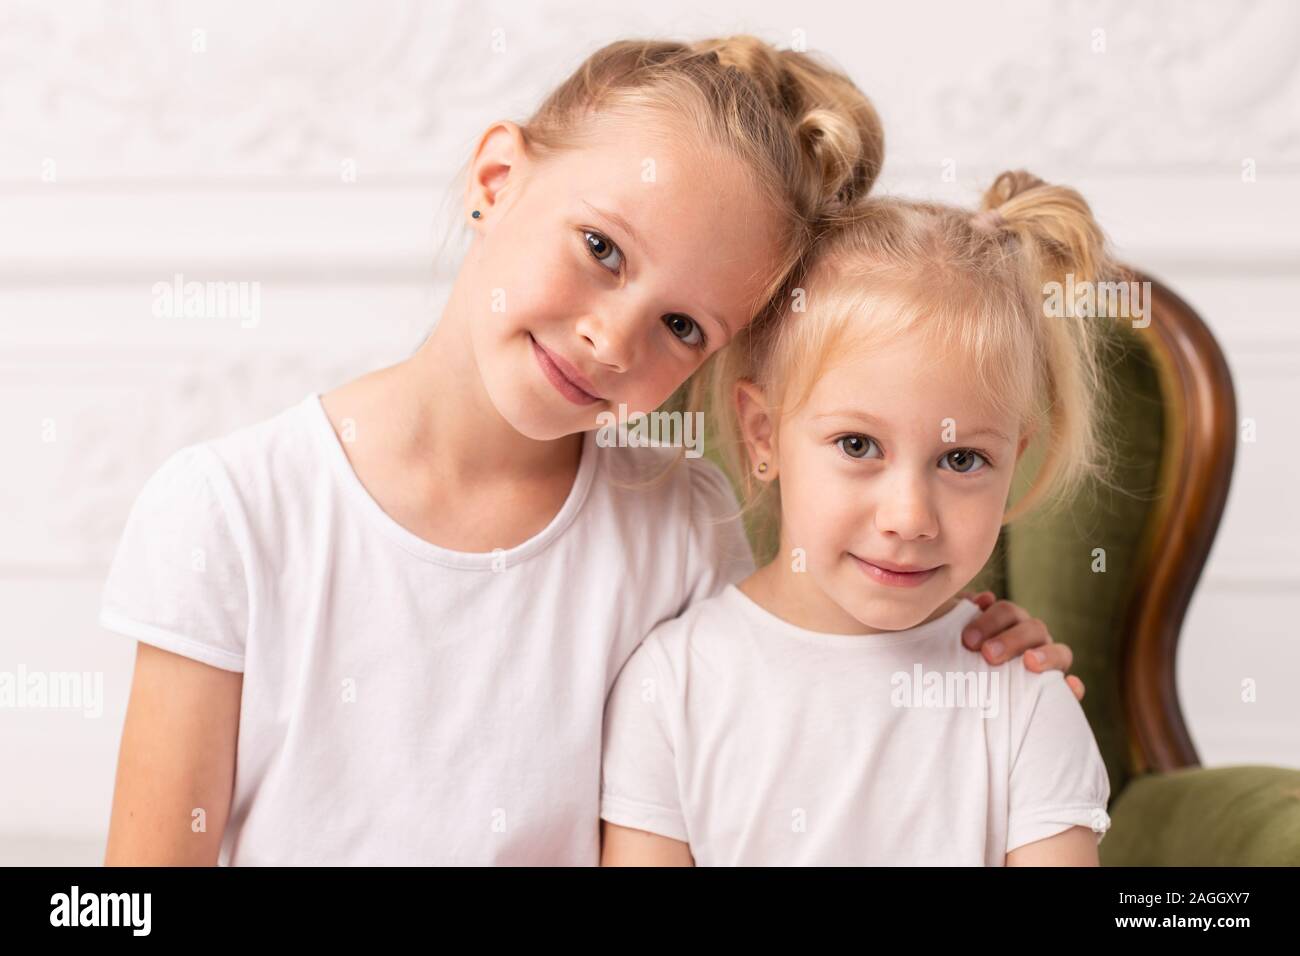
(1058, 779)
(718, 553)
(178, 580)
(639, 786)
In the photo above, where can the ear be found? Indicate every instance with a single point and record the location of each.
(1025, 439)
(758, 427)
(499, 161)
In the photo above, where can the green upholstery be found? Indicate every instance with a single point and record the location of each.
(1223, 816)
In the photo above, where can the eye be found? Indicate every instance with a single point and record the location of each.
(857, 446)
(603, 250)
(963, 461)
(686, 329)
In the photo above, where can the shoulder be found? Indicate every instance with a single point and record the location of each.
(184, 494)
(1041, 706)
(183, 475)
(672, 645)
(1031, 686)
(212, 490)
(283, 447)
(687, 504)
(668, 473)
(1018, 687)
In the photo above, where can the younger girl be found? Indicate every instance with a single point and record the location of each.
(823, 711)
(381, 626)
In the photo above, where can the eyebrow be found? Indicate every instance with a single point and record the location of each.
(872, 421)
(622, 223)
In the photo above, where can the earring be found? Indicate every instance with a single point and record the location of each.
(762, 468)
(476, 214)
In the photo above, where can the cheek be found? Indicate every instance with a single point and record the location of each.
(527, 281)
(820, 503)
(548, 292)
(658, 374)
(972, 523)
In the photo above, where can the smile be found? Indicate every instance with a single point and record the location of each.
(895, 575)
(563, 376)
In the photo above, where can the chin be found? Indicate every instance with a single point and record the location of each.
(886, 615)
(528, 411)
(890, 611)
(533, 422)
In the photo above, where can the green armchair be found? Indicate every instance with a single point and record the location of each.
(1173, 423)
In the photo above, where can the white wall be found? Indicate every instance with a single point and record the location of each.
(126, 156)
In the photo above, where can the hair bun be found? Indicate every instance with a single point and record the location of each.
(1054, 221)
(835, 125)
(838, 128)
(1009, 185)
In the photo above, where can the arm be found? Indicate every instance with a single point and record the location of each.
(1076, 846)
(1016, 633)
(623, 846)
(177, 755)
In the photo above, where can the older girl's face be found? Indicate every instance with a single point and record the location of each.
(604, 275)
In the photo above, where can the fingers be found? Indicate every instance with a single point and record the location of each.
(1050, 657)
(996, 618)
(1005, 630)
(983, 598)
(1076, 685)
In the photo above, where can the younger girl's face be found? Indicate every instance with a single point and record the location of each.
(606, 274)
(894, 480)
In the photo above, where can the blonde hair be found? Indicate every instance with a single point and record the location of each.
(811, 139)
(969, 282)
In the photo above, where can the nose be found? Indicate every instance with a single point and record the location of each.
(906, 509)
(611, 338)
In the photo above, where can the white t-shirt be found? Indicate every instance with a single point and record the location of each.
(762, 743)
(404, 703)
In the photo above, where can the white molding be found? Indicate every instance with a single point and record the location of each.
(1170, 227)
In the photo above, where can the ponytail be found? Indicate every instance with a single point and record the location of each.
(1059, 241)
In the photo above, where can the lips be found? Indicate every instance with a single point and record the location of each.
(896, 575)
(568, 381)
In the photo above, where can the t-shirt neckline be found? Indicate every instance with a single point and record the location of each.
(427, 550)
(957, 617)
